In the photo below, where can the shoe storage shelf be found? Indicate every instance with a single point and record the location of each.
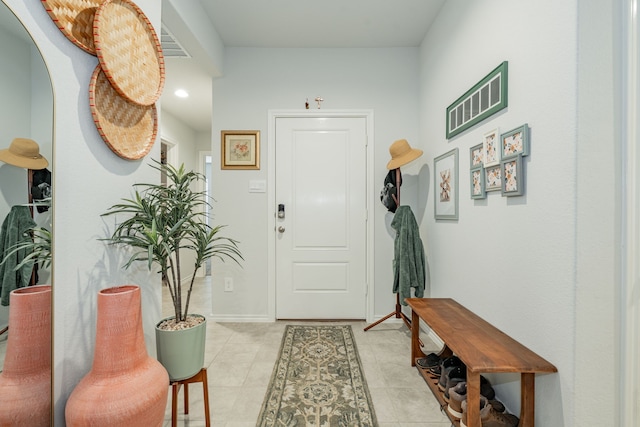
(482, 347)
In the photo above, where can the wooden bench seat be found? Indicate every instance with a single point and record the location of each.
(482, 347)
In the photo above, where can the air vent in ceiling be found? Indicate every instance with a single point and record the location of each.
(171, 47)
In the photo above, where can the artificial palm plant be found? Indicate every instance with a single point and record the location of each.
(35, 248)
(163, 220)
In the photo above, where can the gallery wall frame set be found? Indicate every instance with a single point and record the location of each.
(484, 99)
(240, 149)
(496, 163)
(445, 169)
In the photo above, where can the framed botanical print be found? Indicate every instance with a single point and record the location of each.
(445, 169)
(491, 148)
(515, 142)
(476, 156)
(477, 178)
(493, 178)
(240, 149)
(512, 176)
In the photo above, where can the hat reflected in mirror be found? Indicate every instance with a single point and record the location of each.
(24, 153)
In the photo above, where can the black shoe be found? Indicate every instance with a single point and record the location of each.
(430, 361)
(455, 376)
(486, 389)
(445, 367)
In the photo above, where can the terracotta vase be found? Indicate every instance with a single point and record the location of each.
(25, 381)
(125, 386)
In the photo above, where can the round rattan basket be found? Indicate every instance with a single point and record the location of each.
(75, 19)
(129, 129)
(129, 51)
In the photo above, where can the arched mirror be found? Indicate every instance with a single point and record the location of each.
(26, 133)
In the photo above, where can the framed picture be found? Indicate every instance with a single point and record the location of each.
(491, 148)
(478, 190)
(476, 156)
(445, 169)
(484, 99)
(515, 142)
(493, 178)
(513, 176)
(240, 149)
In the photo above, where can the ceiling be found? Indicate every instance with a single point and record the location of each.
(291, 24)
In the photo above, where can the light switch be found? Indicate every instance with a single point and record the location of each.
(257, 186)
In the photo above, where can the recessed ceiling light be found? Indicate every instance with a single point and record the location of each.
(181, 93)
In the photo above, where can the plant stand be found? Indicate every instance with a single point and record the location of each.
(200, 377)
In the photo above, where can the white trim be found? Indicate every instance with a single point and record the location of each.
(630, 302)
(202, 155)
(172, 151)
(228, 318)
(271, 198)
(432, 335)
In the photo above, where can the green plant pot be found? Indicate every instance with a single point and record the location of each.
(181, 352)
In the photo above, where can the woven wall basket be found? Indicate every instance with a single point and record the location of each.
(75, 19)
(129, 51)
(129, 129)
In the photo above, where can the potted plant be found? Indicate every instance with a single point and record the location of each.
(163, 221)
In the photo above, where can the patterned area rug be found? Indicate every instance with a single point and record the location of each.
(317, 381)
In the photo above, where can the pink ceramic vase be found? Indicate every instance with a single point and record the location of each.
(25, 381)
(125, 386)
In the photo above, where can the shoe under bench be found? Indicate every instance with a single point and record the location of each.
(482, 347)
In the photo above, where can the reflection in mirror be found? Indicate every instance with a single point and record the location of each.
(26, 132)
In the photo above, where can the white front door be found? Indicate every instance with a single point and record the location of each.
(321, 238)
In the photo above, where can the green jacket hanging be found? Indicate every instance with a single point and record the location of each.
(14, 230)
(409, 259)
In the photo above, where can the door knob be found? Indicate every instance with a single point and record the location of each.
(281, 229)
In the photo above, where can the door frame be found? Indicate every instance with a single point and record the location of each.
(629, 372)
(273, 115)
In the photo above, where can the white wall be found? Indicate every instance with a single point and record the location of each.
(257, 80)
(514, 261)
(88, 178)
(598, 205)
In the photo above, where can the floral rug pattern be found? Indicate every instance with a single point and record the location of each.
(317, 381)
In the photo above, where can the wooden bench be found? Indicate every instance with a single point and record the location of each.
(482, 347)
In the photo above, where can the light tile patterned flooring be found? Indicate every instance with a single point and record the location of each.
(240, 358)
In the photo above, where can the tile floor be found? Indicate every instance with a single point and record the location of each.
(240, 358)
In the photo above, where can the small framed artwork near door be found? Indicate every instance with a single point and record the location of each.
(240, 149)
(446, 185)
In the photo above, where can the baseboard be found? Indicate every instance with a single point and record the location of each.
(229, 318)
(432, 336)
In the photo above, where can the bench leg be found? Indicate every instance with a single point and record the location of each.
(473, 399)
(527, 400)
(416, 351)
